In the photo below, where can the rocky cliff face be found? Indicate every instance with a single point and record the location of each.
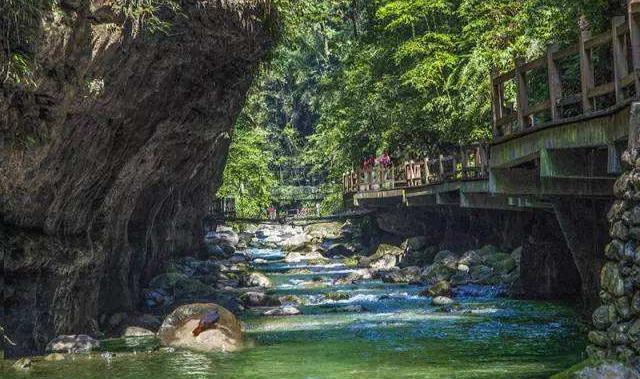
(108, 158)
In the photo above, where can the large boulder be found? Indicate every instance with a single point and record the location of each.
(501, 263)
(481, 274)
(297, 242)
(447, 258)
(436, 273)
(339, 249)
(385, 257)
(259, 299)
(323, 231)
(73, 344)
(177, 329)
(442, 288)
(297, 257)
(396, 275)
(256, 279)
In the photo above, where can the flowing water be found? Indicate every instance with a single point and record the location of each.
(380, 331)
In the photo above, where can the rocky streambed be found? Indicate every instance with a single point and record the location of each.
(326, 301)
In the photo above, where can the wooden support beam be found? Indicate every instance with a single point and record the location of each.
(586, 69)
(497, 101)
(554, 82)
(634, 35)
(521, 97)
(620, 67)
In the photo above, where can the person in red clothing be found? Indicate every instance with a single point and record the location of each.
(385, 160)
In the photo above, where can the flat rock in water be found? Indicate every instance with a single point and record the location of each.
(177, 329)
(284, 311)
(442, 300)
(77, 343)
(136, 331)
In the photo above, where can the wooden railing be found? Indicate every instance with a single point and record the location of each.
(469, 164)
(616, 82)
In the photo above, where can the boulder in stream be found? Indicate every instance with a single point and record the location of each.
(385, 257)
(256, 279)
(442, 300)
(287, 310)
(178, 328)
(72, 344)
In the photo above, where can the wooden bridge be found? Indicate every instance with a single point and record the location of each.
(562, 138)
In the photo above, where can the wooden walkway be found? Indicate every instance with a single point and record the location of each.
(567, 142)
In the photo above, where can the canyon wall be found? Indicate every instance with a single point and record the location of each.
(108, 158)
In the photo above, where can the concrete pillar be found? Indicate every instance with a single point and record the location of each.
(583, 223)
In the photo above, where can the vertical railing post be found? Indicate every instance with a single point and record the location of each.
(497, 101)
(465, 162)
(441, 166)
(634, 35)
(554, 82)
(620, 67)
(521, 98)
(426, 171)
(586, 69)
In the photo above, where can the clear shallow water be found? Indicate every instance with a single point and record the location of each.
(396, 334)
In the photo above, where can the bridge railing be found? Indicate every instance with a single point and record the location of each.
(613, 55)
(470, 163)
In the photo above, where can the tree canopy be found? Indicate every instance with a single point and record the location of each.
(354, 78)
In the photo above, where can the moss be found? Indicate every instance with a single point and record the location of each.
(337, 296)
(571, 371)
(350, 262)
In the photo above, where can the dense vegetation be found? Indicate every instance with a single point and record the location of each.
(353, 78)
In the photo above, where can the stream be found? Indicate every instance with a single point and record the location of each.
(369, 330)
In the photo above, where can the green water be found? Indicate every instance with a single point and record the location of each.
(395, 334)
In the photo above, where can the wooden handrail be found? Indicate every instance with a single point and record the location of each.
(623, 30)
(470, 163)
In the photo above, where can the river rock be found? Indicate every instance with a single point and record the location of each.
(339, 249)
(256, 279)
(323, 231)
(611, 280)
(385, 257)
(224, 235)
(436, 273)
(297, 242)
(136, 331)
(73, 344)
(481, 273)
(352, 277)
(604, 316)
(442, 301)
(259, 299)
(397, 275)
(599, 338)
(23, 364)
(447, 258)
(176, 330)
(608, 370)
(470, 258)
(442, 288)
(287, 310)
(297, 257)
